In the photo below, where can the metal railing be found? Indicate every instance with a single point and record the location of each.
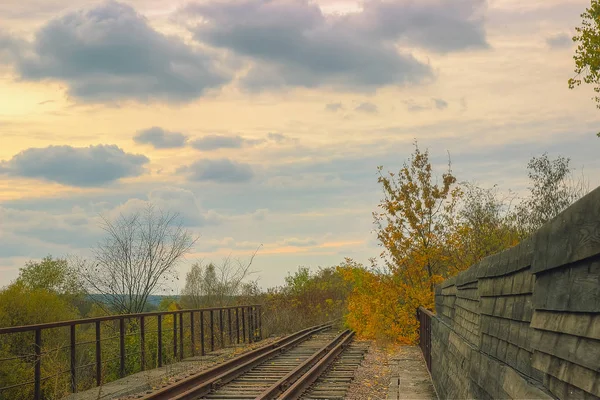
(424, 316)
(72, 352)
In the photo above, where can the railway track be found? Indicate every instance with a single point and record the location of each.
(317, 362)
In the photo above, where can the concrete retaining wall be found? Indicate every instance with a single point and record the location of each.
(525, 323)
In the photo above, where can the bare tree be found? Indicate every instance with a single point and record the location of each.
(484, 224)
(553, 188)
(136, 259)
(216, 285)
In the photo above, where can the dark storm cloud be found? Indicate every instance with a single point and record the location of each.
(160, 138)
(75, 166)
(220, 170)
(110, 53)
(294, 44)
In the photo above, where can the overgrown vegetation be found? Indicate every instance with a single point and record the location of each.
(429, 229)
(430, 232)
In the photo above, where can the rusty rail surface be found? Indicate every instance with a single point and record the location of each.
(205, 381)
(284, 370)
(297, 382)
(424, 316)
(191, 330)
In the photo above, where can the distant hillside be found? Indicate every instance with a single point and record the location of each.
(153, 300)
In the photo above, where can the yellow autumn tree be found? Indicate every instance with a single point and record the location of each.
(414, 225)
(414, 222)
(375, 306)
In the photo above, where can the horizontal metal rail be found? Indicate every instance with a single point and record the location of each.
(206, 381)
(307, 379)
(282, 384)
(187, 327)
(50, 325)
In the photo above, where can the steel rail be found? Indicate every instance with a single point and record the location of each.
(305, 381)
(282, 384)
(205, 381)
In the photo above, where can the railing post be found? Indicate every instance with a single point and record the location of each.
(212, 331)
(98, 355)
(142, 344)
(181, 335)
(229, 326)
(250, 324)
(192, 333)
(237, 324)
(37, 390)
(122, 347)
(160, 344)
(174, 336)
(255, 323)
(202, 333)
(244, 324)
(73, 360)
(260, 322)
(221, 328)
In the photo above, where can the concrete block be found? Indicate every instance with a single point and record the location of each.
(571, 236)
(572, 288)
(511, 355)
(484, 266)
(448, 282)
(584, 325)
(582, 351)
(502, 348)
(503, 329)
(523, 364)
(526, 252)
(518, 388)
(487, 305)
(573, 374)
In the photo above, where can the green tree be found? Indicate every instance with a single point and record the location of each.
(20, 305)
(587, 54)
(54, 275)
(552, 189)
(485, 225)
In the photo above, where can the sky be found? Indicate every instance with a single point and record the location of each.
(263, 122)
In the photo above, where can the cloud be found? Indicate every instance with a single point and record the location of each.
(220, 170)
(280, 138)
(260, 214)
(559, 41)
(333, 107)
(172, 199)
(75, 166)
(306, 242)
(292, 43)
(214, 142)
(440, 104)
(74, 228)
(367, 107)
(417, 106)
(111, 53)
(160, 138)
